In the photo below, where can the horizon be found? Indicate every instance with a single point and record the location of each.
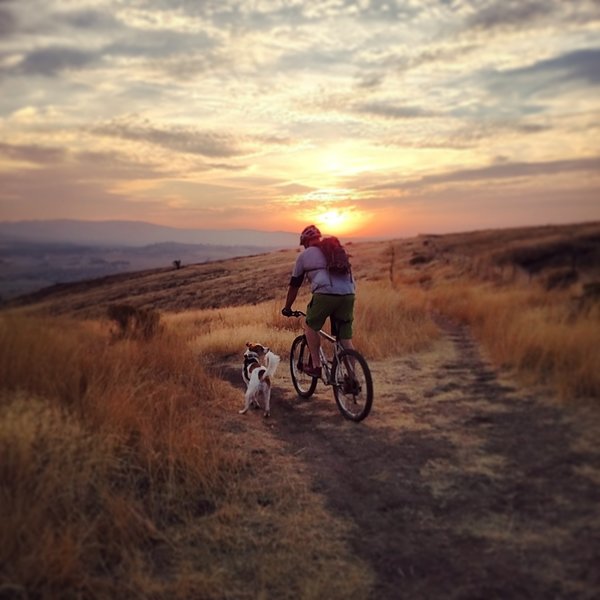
(358, 239)
(370, 118)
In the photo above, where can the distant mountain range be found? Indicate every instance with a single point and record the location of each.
(137, 233)
(38, 254)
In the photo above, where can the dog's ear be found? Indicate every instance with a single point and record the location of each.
(248, 344)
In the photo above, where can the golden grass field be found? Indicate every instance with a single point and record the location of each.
(123, 474)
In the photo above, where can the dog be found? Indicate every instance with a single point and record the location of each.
(253, 356)
(258, 376)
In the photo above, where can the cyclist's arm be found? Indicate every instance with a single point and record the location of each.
(295, 283)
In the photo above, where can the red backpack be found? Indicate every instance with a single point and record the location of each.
(338, 260)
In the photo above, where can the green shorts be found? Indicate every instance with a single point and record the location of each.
(339, 308)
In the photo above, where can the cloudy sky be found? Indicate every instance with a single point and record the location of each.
(368, 117)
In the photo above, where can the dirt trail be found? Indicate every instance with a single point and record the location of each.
(459, 484)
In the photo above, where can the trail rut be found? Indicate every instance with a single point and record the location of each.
(460, 484)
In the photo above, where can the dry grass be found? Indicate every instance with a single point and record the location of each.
(120, 478)
(530, 296)
(387, 323)
(531, 331)
(122, 473)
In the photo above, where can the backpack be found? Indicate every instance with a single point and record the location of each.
(336, 256)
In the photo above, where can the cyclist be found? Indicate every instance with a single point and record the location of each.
(332, 296)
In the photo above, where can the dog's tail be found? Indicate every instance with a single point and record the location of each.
(273, 361)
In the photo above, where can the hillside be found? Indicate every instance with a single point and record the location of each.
(128, 471)
(565, 257)
(27, 267)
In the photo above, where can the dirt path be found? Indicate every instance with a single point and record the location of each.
(459, 484)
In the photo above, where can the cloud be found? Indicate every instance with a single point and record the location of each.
(321, 59)
(389, 110)
(32, 153)
(188, 140)
(314, 93)
(66, 193)
(504, 170)
(227, 167)
(264, 15)
(370, 80)
(107, 38)
(500, 13)
(98, 165)
(580, 65)
(88, 19)
(93, 165)
(181, 139)
(160, 43)
(51, 61)
(522, 14)
(8, 23)
(572, 70)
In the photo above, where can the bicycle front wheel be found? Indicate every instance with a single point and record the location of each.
(299, 356)
(352, 385)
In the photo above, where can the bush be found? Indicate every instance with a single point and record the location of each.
(134, 323)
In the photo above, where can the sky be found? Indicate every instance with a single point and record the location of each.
(366, 117)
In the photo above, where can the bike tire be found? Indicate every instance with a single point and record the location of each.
(353, 392)
(304, 385)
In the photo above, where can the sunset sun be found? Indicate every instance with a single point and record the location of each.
(336, 220)
(333, 210)
(333, 220)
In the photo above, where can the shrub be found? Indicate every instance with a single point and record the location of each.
(560, 279)
(419, 259)
(134, 323)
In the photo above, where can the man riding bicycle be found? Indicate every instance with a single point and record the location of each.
(332, 296)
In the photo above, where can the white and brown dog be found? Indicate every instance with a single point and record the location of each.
(257, 375)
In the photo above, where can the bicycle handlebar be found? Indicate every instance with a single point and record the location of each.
(296, 313)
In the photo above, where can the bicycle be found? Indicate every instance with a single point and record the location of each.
(346, 371)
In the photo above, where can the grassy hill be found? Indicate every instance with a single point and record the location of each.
(563, 257)
(126, 472)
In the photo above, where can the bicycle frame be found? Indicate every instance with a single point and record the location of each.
(345, 370)
(326, 363)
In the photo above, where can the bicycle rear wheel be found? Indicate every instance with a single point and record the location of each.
(299, 356)
(352, 385)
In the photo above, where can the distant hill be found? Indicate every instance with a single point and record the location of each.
(137, 233)
(38, 254)
(564, 258)
(26, 267)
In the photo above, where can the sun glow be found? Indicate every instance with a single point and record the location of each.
(338, 221)
(332, 210)
(333, 221)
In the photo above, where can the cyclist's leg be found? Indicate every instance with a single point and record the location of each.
(313, 339)
(335, 331)
(317, 312)
(347, 344)
(342, 319)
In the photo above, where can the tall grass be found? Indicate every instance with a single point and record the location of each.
(389, 322)
(224, 332)
(529, 330)
(101, 444)
(386, 323)
(110, 387)
(120, 477)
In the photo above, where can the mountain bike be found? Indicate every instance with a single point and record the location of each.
(345, 370)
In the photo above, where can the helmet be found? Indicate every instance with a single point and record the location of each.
(309, 233)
